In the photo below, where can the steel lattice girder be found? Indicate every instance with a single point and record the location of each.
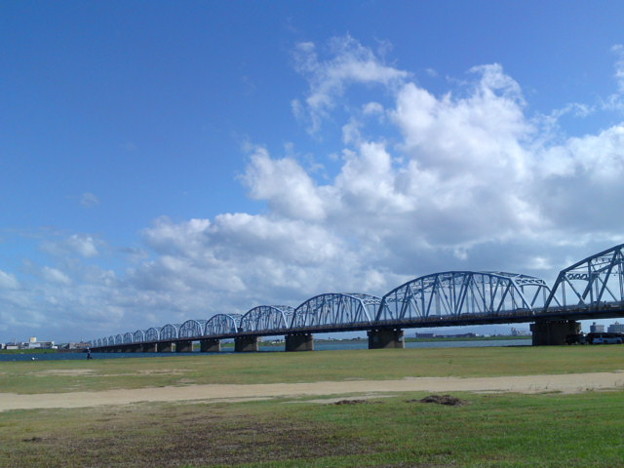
(152, 334)
(455, 293)
(593, 280)
(222, 324)
(266, 317)
(335, 309)
(138, 336)
(192, 328)
(169, 331)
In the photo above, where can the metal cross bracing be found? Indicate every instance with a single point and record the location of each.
(192, 329)
(152, 334)
(169, 331)
(594, 283)
(266, 318)
(335, 309)
(590, 288)
(222, 324)
(462, 293)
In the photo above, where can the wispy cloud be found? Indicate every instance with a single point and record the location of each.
(88, 200)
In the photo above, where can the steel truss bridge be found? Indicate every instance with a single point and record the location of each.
(592, 288)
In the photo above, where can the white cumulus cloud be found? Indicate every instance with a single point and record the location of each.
(420, 182)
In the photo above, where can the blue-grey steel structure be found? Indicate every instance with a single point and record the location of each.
(590, 288)
(330, 310)
(192, 329)
(265, 318)
(457, 293)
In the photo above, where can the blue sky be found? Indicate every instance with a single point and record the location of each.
(162, 161)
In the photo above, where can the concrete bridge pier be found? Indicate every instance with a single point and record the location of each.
(245, 344)
(300, 342)
(185, 346)
(385, 338)
(553, 332)
(164, 347)
(210, 346)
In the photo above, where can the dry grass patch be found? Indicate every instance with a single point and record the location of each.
(165, 436)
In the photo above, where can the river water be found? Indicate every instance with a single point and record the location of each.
(318, 346)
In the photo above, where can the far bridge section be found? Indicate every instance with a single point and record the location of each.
(590, 289)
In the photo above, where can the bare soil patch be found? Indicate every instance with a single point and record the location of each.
(563, 383)
(350, 402)
(63, 372)
(446, 400)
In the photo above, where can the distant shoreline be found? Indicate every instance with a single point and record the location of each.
(410, 340)
(472, 338)
(30, 351)
(319, 340)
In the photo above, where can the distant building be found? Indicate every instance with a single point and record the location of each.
(616, 328)
(32, 343)
(457, 335)
(71, 345)
(424, 335)
(596, 328)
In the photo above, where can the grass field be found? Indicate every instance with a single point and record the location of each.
(102, 374)
(495, 430)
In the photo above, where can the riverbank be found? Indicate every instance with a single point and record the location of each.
(506, 406)
(29, 351)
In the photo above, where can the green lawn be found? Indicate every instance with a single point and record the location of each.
(100, 374)
(490, 430)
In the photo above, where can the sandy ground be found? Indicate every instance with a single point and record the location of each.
(566, 383)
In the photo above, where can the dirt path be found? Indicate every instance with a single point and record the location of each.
(566, 383)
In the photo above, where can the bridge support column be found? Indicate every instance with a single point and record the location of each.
(149, 348)
(300, 342)
(244, 344)
(553, 332)
(185, 346)
(385, 338)
(165, 347)
(210, 346)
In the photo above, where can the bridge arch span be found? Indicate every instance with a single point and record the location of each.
(591, 282)
(138, 336)
(222, 324)
(456, 293)
(119, 339)
(152, 334)
(169, 331)
(192, 329)
(335, 309)
(266, 317)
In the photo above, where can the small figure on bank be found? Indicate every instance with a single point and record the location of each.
(89, 354)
